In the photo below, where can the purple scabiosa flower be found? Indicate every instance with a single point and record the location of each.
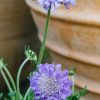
(50, 83)
(56, 3)
(69, 2)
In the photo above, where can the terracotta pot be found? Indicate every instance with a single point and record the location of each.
(75, 38)
(16, 31)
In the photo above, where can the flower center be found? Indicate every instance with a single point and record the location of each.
(48, 85)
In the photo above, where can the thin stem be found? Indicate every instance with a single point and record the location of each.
(44, 37)
(10, 77)
(26, 94)
(73, 86)
(7, 83)
(18, 78)
(43, 44)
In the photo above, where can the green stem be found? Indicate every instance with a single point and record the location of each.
(44, 37)
(43, 44)
(7, 83)
(10, 77)
(73, 87)
(18, 78)
(26, 94)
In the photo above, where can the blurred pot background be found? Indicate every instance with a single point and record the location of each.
(16, 30)
(75, 38)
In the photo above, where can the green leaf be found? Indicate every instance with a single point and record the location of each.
(78, 95)
(31, 95)
(82, 92)
(72, 98)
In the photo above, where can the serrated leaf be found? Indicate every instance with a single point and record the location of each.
(78, 95)
(82, 92)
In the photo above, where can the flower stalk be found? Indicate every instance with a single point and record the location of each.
(10, 77)
(73, 86)
(7, 83)
(18, 78)
(42, 47)
(44, 37)
(26, 94)
(3, 67)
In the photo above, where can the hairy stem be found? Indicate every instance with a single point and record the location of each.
(43, 45)
(73, 87)
(44, 37)
(26, 94)
(18, 78)
(7, 83)
(10, 77)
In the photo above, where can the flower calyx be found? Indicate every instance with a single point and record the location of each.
(30, 54)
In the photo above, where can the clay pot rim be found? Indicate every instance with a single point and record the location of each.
(70, 16)
(74, 54)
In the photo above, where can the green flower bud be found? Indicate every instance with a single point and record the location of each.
(30, 54)
(72, 71)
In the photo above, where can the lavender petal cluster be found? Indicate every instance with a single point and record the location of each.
(50, 83)
(56, 3)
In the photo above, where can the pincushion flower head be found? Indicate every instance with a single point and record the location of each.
(50, 83)
(56, 3)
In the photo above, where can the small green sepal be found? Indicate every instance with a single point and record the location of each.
(30, 54)
(72, 71)
(78, 94)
